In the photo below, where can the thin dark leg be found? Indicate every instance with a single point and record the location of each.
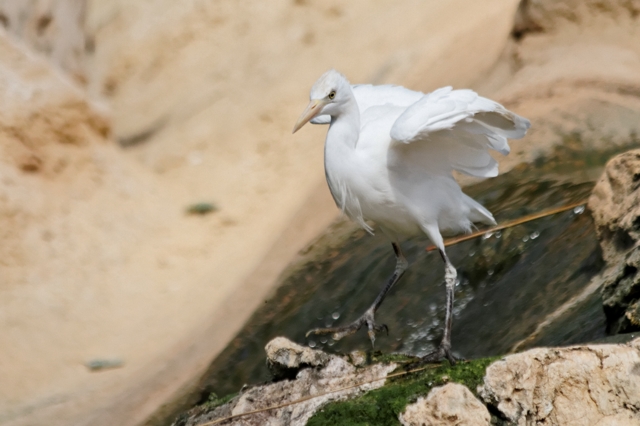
(401, 266)
(368, 317)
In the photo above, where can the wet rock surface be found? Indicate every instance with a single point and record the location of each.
(615, 206)
(451, 404)
(588, 385)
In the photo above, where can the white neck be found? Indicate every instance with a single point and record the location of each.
(345, 126)
(339, 149)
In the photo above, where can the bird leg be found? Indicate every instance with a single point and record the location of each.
(444, 350)
(368, 317)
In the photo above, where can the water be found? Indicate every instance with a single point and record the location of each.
(509, 281)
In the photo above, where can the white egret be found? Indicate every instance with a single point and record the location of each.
(389, 157)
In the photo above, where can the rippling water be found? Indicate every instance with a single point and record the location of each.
(509, 281)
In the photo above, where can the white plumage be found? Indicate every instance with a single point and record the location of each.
(389, 157)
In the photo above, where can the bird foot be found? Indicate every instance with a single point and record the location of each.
(443, 352)
(367, 318)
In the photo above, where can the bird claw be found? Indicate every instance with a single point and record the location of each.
(437, 356)
(338, 333)
(375, 328)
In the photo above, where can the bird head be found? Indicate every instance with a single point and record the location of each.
(327, 95)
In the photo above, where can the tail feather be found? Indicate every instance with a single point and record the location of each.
(477, 212)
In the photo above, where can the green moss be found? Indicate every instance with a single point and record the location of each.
(377, 357)
(382, 406)
(214, 401)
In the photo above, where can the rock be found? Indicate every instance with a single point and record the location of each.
(574, 386)
(615, 207)
(620, 294)
(451, 404)
(285, 357)
(332, 379)
(588, 385)
(358, 358)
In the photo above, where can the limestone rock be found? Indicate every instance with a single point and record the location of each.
(574, 386)
(322, 384)
(358, 358)
(451, 404)
(615, 206)
(285, 357)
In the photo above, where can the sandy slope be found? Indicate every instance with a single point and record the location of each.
(84, 248)
(103, 260)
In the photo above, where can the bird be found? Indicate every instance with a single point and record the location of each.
(389, 157)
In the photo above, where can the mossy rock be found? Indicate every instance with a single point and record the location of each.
(382, 406)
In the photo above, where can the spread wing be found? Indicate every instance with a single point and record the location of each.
(461, 125)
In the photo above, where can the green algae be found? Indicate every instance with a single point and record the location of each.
(214, 401)
(382, 406)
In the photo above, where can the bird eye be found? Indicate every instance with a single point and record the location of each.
(332, 94)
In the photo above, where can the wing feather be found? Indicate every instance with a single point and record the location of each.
(462, 124)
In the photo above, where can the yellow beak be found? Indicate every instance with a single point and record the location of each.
(311, 111)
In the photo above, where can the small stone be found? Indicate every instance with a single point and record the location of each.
(285, 358)
(448, 405)
(358, 358)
